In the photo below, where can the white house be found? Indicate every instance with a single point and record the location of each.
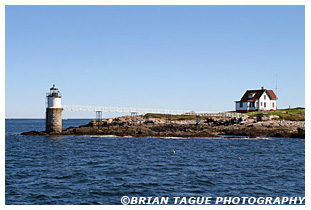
(256, 100)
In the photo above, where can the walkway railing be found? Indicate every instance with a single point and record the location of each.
(146, 110)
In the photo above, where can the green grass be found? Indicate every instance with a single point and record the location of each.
(295, 114)
(170, 117)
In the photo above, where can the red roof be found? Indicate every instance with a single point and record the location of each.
(257, 94)
(271, 93)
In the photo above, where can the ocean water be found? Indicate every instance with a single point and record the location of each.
(102, 169)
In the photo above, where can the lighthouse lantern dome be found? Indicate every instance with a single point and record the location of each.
(54, 91)
(54, 98)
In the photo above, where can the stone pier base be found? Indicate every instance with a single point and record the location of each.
(53, 120)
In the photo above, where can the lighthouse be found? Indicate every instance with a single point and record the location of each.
(54, 111)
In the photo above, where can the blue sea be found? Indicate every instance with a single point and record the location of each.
(103, 169)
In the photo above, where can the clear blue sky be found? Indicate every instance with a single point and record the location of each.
(171, 57)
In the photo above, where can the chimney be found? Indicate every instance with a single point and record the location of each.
(262, 88)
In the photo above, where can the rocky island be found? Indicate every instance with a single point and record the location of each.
(251, 125)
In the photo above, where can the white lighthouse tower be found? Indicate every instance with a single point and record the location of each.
(54, 111)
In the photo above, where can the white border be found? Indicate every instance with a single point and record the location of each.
(154, 2)
(158, 2)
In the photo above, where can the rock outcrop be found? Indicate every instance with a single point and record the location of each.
(208, 127)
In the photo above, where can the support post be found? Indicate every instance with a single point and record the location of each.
(99, 117)
(198, 120)
(134, 118)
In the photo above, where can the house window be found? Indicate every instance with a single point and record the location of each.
(264, 97)
(241, 104)
(251, 104)
(251, 95)
(273, 104)
(260, 103)
(264, 104)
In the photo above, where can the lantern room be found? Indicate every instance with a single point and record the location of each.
(54, 98)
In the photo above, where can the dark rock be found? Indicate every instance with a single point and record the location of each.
(124, 126)
(278, 135)
(34, 133)
(297, 135)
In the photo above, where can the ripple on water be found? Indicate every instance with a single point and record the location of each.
(100, 169)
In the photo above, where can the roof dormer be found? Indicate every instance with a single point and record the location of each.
(251, 95)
